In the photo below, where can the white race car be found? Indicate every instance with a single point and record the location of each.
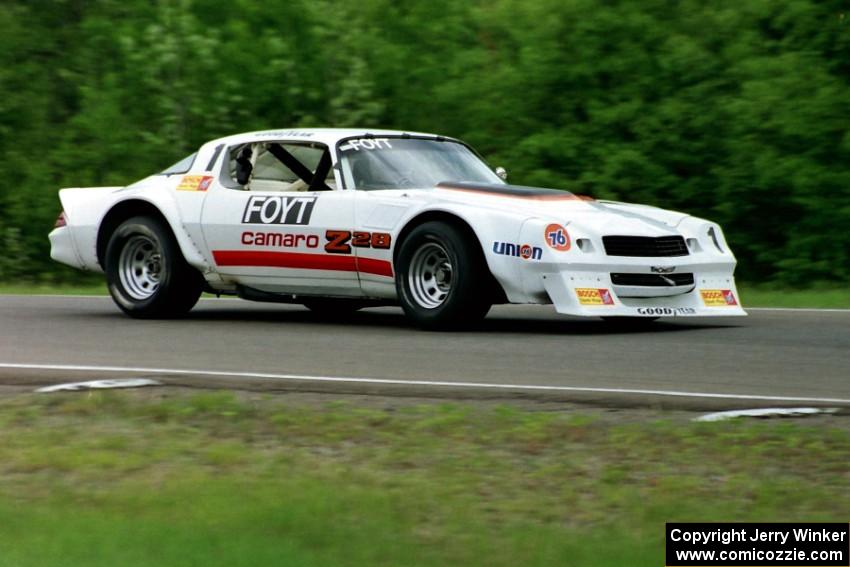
(343, 219)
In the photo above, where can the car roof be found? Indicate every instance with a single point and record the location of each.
(328, 136)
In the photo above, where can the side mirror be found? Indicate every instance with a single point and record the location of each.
(243, 166)
(502, 172)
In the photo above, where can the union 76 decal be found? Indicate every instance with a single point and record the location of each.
(557, 237)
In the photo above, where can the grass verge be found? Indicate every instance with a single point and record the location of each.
(817, 298)
(134, 478)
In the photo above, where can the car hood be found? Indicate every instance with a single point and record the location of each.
(551, 205)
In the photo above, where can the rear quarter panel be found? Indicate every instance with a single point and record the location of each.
(86, 208)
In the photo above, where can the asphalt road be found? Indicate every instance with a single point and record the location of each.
(517, 351)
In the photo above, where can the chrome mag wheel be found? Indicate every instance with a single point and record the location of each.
(430, 275)
(140, 267)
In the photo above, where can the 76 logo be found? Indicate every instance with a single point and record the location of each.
(557, 237)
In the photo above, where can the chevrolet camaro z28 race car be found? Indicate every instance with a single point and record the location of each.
(343, 219)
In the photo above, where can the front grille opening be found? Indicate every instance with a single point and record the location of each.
(653, 280)
(645, 246)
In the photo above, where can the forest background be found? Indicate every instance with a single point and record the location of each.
(736, 111)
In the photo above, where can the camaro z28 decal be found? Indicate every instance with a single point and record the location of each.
(279, 239)
(341, 241)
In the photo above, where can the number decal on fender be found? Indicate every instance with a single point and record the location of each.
(338, 241)
(381, 240)
(361, 239)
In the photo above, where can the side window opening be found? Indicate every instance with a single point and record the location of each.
(281, 166)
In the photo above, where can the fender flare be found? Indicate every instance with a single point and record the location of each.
(458, 219)
(136, 206)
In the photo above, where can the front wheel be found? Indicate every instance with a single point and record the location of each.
(442, 278)
(146, 273)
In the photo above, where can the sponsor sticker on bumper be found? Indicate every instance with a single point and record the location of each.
(666, 311)
(718, 297)
(594, 296)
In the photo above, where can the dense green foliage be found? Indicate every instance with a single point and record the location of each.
(732, 110)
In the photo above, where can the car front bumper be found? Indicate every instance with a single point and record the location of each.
(586, 288)
(592, 294)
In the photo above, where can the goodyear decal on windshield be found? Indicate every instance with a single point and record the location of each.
(285, 134)
(195, 183)
(594, 296)
(718, 297)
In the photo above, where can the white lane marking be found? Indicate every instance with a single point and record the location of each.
(436, 383)
(764, 412)
(99, 385)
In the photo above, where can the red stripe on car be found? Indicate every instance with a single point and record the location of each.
(302, 261)
(373, 266)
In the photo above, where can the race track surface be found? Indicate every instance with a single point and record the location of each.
(801, 355)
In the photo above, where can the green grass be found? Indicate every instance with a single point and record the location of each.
(751, 296)
(821, 298)
(215, 479)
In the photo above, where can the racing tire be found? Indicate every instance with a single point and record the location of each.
(442, 279)
(333, 306)
(146, 273)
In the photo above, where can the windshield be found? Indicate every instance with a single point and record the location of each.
(401, 163)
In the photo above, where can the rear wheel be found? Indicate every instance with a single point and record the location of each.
(146, 272)
(442, 278)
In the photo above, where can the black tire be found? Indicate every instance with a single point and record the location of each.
(146, 273)
(460, 286)
(333, 306)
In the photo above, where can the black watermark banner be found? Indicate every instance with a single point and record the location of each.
(762, 545)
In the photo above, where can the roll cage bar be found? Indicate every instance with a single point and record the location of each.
(315, 181)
